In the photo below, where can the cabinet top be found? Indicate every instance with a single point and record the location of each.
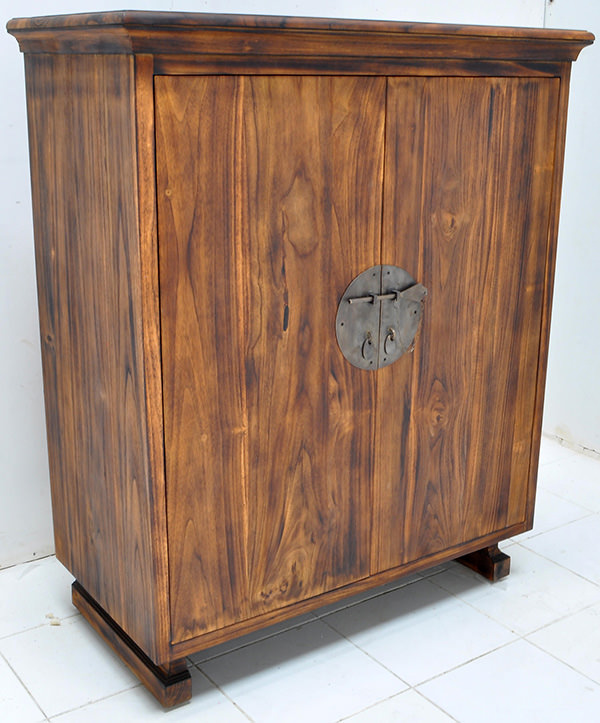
(132, 31)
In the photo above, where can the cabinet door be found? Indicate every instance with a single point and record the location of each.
(469, 167)
(269, 203)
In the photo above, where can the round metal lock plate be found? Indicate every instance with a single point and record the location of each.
(378, 316)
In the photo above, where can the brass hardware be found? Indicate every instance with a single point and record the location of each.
(378, 316)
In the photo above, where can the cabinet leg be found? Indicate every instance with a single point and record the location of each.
(489, 562)
(170, 684)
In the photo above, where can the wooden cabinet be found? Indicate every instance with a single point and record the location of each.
(205, 188)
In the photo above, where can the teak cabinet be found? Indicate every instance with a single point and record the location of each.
(205, 189)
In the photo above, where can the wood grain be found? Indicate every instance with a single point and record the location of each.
(552, 231)
(204, 189)
(268, 430)
(203, 370)
(84, 176)
(151, 32)
(151, 340)
(480, 247)
(259, 64)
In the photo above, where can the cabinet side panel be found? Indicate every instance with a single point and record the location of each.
(484, 167)
(84, 180)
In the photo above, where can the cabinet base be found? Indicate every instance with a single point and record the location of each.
(489, 562)
(171, 685)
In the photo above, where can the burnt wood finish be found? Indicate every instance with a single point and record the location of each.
(481, 248)
(204, 189)
(260, 245)
(489, 562)
(106, 503)
(247, 36)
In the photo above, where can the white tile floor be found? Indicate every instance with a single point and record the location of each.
(441, 646)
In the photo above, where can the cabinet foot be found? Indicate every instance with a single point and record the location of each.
(171, 684)
(489, 562)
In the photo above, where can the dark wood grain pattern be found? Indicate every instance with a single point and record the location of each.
(260, 64)
(262, 399)
(82, 145)
(310, 414)
(268, 430)
(143, 32)
(206, 21)
(241, 627)
(151, 340)
(205, 187)
(203, 370)
(467, 397)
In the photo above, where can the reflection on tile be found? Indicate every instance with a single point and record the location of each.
(573, 546)
(576, 640)
(306, 674)
(407, 706)
(517, 683)
(367, 595)
(65, 666)
(16, 705)
(207, 705)
(216, 650)
(419, 631)
(536, 592)
(31, 591)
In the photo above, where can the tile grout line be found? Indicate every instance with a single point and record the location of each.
(348, 719)
(437, 705)
(243, 646)
(368, 655)
(427, 680)
(463, 664)
(26, 562)
(480, 611)
(562, 616)
(564, 567)
(29, 693)
(57, 716)
(561, 619)
(37, 627)
(316, 617)
(223, 693)
(564, 498)
(564, 662)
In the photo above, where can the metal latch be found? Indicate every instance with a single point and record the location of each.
(378, 316)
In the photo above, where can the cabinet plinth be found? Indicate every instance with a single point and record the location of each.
(205, 189)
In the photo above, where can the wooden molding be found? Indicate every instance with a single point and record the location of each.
(207, 34)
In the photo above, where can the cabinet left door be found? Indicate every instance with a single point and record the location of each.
(269, 203)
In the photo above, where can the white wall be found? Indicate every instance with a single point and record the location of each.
(572, 409)
(25, 517)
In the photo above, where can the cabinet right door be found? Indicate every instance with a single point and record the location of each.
(467, 197)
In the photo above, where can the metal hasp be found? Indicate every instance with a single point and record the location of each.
(378, 316)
